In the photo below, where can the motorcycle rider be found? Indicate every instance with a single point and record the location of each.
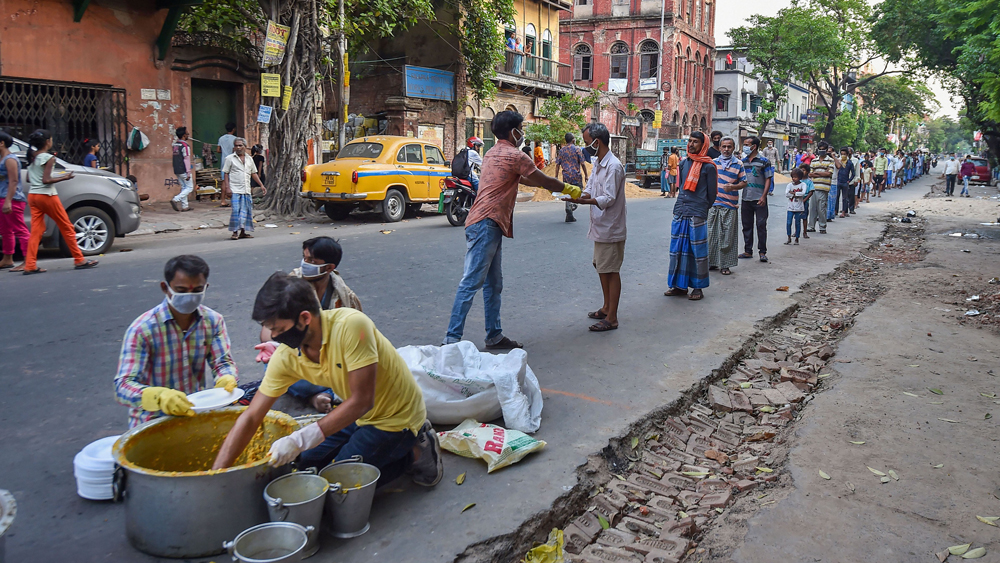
(473, 146)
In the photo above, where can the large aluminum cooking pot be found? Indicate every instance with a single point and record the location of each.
(175, 505)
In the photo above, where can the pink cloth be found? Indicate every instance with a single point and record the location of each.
(13, 229)
(503, 167)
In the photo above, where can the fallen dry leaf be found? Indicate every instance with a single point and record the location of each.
(959, 549)
(938, 466)
(989, 395)
(989, 520)
(604, 522)
(823, 474)
(822, 375)
(858, 442)
(850, 486)
(468, 506)
(910, 394)
(764, 469)
(767, 409)
(974, 553)
(942, 556)
(948, 420)
(893, 474)
(460, 479)
(876, 471)
(914, 365)
(884, 479)
(385, 231)
(635, 442)
(935, 391)
(782, 288)
(936, 403)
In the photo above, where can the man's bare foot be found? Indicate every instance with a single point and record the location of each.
(18, 268)
(322, 402)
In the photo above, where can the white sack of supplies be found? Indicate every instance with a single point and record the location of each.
(460, 382)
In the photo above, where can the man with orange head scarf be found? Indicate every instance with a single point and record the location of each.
(699, 183)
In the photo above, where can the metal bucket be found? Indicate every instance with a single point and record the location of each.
(349, 500)
(175, 505)
(8, 510)
(299, 498)
(273, 542)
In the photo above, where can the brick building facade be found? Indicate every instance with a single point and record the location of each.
(615, 45)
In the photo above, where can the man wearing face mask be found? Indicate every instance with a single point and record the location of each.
(382, 418)
(824, 169)
(320, 258)
(753, 210)
(713, 151)
(177, 348)
(492, 218)
(881, 165)
(723, 216)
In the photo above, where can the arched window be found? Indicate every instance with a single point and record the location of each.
(687, 73)
(694, 122)
(677, 67)
(649, 58)
(704, 125)
(697, 75)
(547, 53)
(676, 118)
(698, 15)
(619, 60)
(583, 62)
(684, 125)
(690, 11)
(530, 48)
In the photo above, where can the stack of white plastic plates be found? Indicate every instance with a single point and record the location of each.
(94, 469)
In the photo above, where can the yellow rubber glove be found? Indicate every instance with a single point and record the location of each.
(226, 381)
(169, 401)
(572, 191)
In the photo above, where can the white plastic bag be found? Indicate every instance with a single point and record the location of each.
(460, 382)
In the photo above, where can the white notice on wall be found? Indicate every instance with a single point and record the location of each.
(147, 93)
(163, 94)
(617, 85)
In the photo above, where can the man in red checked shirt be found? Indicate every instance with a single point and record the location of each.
(490, 219)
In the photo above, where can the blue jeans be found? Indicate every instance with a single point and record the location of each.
(475, 183)
(832, 203)
(391, 452)
(304, 390)
(483, 241)
(797, 217)
(664, 186)
(965, 186)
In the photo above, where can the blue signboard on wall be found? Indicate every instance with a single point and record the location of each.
(428, 83)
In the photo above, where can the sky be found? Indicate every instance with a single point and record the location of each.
(733, 13)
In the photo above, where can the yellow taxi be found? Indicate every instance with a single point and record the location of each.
(388, 174)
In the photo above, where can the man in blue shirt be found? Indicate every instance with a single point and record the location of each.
(753, 210)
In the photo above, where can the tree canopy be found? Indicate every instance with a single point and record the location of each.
(565, 114)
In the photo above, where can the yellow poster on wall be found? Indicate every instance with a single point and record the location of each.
(657, 119)
(286, 98)
(270, 85)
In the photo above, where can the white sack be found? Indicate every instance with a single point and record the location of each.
(460, 382)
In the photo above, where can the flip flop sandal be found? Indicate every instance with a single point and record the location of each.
(696, 296)
(6, 267)
(505, 344)
(597, 315)
(35, 271)
(86, 265)
(603, 326)
(675, 292)
(763, 258)
(726, 272)
(745, 255)
(234, 237)
(246, 236)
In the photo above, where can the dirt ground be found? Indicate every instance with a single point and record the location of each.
(915, 380)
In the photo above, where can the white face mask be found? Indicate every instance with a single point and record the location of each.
(185, 303)
(520, 140)
(747, 150)
(311, 270)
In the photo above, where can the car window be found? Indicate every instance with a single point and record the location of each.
(413, 154)
(979, 162)
(361, 150)
(434, 155)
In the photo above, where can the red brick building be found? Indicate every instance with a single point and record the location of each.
(615, 45)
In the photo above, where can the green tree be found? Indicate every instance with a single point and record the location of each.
(565, 114)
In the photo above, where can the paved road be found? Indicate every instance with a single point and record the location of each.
(60, 352)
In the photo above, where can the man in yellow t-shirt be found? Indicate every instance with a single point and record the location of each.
(382, 418)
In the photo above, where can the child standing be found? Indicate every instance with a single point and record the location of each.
(795, 192)
(806, 169)
(867, 177)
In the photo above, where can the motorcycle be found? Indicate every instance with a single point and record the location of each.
(457, 199)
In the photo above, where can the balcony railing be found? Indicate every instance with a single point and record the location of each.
(535, 68)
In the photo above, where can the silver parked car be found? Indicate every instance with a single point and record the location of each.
(100, 204)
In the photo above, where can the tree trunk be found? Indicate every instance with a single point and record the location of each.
(290, 130)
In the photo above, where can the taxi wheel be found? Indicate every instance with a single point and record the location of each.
(337, 212)
(394, 206)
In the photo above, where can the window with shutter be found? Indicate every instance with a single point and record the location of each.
(619, 60)
(582, 62)
(649, 56)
